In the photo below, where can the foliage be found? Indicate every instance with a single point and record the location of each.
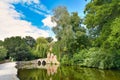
(97, 45)
(57, 49)
(41, 47)
(23, 53)
(100, 18)
(49, 39)
(27, 48)
(94, 44)
(3, 52)
(97, 58)
(1, 43)
(79, 57)
(113, 39)
(65, 60)
(30, 41)
(101, 12)
(70, 34)
(17, 48)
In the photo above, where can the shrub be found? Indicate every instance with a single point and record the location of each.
(97, 58)
(78, 58)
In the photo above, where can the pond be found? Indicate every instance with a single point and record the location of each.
(56, 72)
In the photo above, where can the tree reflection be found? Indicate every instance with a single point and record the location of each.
(37, 73)
(56, 72)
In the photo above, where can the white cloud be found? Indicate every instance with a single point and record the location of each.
(34, 5)
(48, 22)
(37, 11)
(12, 25)
(22, 1)
(54, 38)
(41, 7)
(51, 34)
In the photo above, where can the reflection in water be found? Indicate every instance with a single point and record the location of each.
(37, 72)
(52, 69)
(54, 72)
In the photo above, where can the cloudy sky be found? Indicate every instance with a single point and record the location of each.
(32, 17)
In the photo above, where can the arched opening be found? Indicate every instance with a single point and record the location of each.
(39, 63)
(43, 63)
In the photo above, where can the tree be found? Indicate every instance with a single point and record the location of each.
(75, 21)
(61, 17)
(3, 52)
(80, 37)
(63, 29)
(1, 43)
(30, 41)
(17, 47)
(103, 22)
(41, 48)
(113, 39)
(49, 39)
(100, 15)
(70, 33)
(23, 53)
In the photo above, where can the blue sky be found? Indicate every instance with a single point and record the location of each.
(33, 17)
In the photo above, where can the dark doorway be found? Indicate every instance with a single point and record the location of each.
(39, 63)
(43, 63)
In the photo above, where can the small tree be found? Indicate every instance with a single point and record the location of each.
(41, 47)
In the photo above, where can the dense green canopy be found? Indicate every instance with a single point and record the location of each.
(93, 41)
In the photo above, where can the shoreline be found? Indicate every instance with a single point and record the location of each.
(5, 61)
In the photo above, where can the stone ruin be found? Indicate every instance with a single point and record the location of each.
(51, 58)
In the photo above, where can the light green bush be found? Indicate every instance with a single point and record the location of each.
(101, 59)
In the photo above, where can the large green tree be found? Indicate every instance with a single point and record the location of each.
(17, 48)
(101, 16)
(103, 22)
(70, 33)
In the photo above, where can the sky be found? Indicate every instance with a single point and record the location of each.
(33, 17)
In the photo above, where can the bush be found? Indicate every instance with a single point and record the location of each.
(97, 58)
(66, 60)
(78, 58)
(101, 59)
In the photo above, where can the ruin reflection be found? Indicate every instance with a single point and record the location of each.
(52, 69)
(36, 72)
(54, 72)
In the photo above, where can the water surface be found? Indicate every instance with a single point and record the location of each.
(54, 72)
(8, 71)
